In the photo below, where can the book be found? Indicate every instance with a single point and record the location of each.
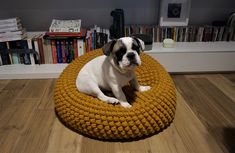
(36, 48)
(80, 34)
(59, 52)
(220, 34)
(63, 49)
(13, 38)
(40, 47)
(15, 28)
(70, 51)
(53, 51)
(9, 21)
(19, 56)
(80, 44)
(4, 53)
(65, 25)
(30, 37)
(12, 33)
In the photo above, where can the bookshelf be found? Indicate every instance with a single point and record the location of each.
(185, 57)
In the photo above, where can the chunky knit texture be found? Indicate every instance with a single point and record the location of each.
(151, 111)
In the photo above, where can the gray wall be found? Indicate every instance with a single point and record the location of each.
(37, 15)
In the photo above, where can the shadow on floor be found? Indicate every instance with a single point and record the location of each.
(229, 138)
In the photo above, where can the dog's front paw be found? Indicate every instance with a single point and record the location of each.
(144, 88)
(112, 100)
(125, 104)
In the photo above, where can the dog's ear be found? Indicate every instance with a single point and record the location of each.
(140, 43)
(107, 48)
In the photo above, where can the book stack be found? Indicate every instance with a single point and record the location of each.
(28, 50)
(65, 40)
(96, 37)
(11, 29)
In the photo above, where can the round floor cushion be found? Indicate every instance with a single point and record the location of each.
(151, 111)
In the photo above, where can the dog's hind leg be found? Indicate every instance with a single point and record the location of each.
(92, 88)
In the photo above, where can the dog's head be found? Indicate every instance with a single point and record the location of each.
(125, 52)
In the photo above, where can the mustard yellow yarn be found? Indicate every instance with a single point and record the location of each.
(151, 111)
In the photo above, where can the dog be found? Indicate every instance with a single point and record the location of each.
(112, 71)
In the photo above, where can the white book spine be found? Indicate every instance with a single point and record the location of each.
(16, 37)
(80, 45)
(12, 33)
(0, 60)
(36, 48)
(30, 46)
(11, 29)
(9, 21)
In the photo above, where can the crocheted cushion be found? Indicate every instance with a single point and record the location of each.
(151, 111)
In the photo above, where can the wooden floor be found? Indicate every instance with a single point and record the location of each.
(204, 121)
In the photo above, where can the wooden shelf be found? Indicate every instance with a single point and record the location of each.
(184, 57)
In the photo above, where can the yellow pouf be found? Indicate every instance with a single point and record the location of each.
(151, 111)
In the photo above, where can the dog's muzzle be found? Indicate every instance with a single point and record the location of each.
(132, 59)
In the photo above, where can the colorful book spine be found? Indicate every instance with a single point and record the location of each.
(63, 51)
(75, 47)
(53, 51)
(59, 52)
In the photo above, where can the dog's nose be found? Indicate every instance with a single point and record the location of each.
(131, 55)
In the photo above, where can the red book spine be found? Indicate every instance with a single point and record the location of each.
(75, 48)
(53, 51)
(41, 52)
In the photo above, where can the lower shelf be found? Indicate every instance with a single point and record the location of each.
(20, 71)
(184, 57)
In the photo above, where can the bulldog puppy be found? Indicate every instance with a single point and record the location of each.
(112, 71)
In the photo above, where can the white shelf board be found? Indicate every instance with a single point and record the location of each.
(20, 71)
(196, 56)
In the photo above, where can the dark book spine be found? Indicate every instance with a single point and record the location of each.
(26, 56)
(71, 50)
(4, 54)
(59, 52)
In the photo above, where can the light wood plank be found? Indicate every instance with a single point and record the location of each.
(193, 133)
(35, 136)
(14, 123)
(3, 83)
(46, 101)
(210, 105)
(63, 140)
(34, 88)
(224, 84)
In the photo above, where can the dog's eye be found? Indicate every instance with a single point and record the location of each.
(120, 53)
(136, 48)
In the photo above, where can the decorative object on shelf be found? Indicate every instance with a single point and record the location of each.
(168, 43)
(151, 112)
(148, 40)
(117, 28)
(174, 12)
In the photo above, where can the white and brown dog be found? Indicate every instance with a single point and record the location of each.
(112, 71)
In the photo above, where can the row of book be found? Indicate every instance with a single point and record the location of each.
(34, 49)
(11, 29)
(50, 47)
(184, 34)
